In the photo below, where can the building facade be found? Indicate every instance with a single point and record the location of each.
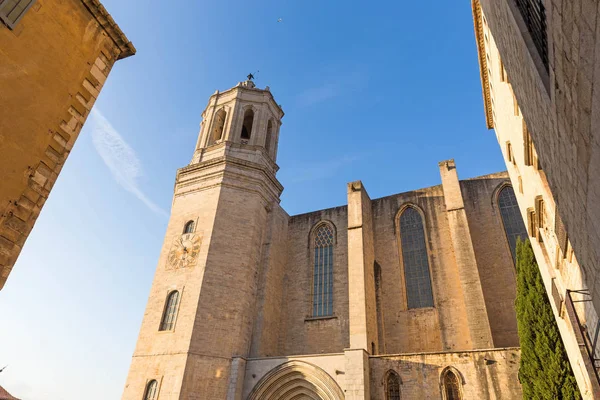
(55, 57)
(539, 63)
(407, 296)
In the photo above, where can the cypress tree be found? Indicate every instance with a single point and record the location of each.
(545, 372)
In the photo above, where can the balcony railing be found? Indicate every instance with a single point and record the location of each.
(587, 345)
(534, 14)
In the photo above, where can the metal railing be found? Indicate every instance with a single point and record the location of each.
(534, 14)
(587, 346)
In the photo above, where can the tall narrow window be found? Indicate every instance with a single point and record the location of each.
(527, 146)
(218, 127)
(151, 390)
(392, 387)
(168, 320)
(11, 11)
(189, 227)
(511, 218)
(269, 136)
(323, 271)
(451, 386)
(534, 15)
(416, 264)
(247, 125)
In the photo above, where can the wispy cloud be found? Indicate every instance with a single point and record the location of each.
(321, 170)
(334, 84)
(120, 158)
(318, 94)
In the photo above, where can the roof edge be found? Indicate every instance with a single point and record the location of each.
(107, 22)
(483, 70)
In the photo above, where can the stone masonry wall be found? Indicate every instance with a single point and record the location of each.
(560, 264)
(484, 374)
(443, 327)
(302, 334)
(562, 112)
(494, 260)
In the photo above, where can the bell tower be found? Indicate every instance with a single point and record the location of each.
(198, 322)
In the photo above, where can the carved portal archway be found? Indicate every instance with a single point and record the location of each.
(295, 380)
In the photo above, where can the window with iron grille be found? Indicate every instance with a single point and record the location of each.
(323, 271)
(168, 320)
(416, 264)
(11, 11)
(534, 15)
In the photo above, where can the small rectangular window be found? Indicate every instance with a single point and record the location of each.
(527, 146)
(515, 104)
(509, 153)
(11, 11)
(531, 222)
(502, 70)
(561, 233)
(520, 184)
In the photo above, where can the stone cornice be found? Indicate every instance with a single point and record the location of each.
(483, 70)
(229, 161)
(110, 26)
(240, 87)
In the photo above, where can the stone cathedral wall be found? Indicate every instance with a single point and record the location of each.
(284, 325)
(301, 333)
(494, 261)
(484, 374)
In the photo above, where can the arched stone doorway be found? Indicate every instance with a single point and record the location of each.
(296, 380)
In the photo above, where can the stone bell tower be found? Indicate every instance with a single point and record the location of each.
(199, 316)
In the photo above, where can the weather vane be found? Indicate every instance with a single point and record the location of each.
(251, 75)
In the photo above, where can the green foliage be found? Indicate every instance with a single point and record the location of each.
(545, 372)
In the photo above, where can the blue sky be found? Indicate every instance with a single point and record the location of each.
(380, 93)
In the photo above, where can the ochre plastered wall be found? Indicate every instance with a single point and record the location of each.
(54, 64)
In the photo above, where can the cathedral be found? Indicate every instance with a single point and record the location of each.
(409, 296)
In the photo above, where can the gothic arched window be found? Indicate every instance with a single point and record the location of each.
(323, 271)
(511, 218)
(189, 227)
(451, 386)
(168, 319)
(218, 126)
(247, 124)
(269, 135)
(151, 390)
(392, 386)
(414, 255)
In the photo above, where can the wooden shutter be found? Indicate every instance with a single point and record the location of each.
(11, 11)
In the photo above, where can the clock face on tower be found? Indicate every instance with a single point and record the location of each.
(184, 251)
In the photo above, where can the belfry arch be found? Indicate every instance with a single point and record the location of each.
(296, 380)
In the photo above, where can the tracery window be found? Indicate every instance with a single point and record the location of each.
(414, 255)
(323, 271)
(151, 390)
(392, 387)
(168, 320)
(189, 227)
(451, 386)
(511, 218)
